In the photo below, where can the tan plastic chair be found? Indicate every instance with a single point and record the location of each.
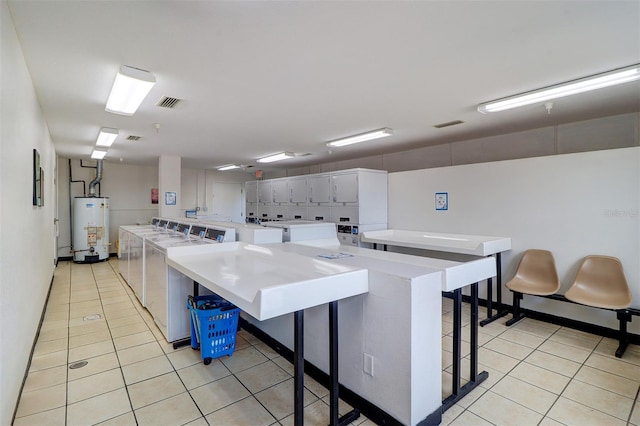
(600, 282)
(536, 275)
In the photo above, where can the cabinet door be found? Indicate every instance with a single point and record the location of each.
(264, 192)
(345, 188)
(251, 192)
(319, 189)
(280, 191)
(297, 190)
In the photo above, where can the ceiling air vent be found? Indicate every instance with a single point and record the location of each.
(168, 102)
(133, 138)
(447, 124)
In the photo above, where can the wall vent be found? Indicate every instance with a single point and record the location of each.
(133, 138)
(447, 124)
(168, 102)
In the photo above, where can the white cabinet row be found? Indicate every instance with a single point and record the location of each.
(337, 188)
(350, 214)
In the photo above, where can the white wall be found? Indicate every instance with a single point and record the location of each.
(128, 187)
(573, 204)
(198, 189)
(26, 250)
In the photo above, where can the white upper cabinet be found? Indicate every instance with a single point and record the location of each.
(280, 191)
(297, 190)
(345, 188)
(251, 191)
(319, 189)
(264, 192)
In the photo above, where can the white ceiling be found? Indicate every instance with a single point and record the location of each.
(258, 78)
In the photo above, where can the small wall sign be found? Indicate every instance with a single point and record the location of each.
(442, 201)
(170, 198)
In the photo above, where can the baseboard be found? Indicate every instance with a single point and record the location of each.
(33, 348)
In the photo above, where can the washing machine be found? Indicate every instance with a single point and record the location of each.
(166, 290)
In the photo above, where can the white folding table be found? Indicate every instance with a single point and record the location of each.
(266, 283)
(473, 245)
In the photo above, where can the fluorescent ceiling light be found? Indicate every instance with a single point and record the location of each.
(598, 81)
(106, 136)
(228, 167)
(276, 157)
(375, 134)
(129, 90)
(98, 155)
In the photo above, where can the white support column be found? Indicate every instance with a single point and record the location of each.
(169, 172)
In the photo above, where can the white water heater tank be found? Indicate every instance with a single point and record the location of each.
(90, 229)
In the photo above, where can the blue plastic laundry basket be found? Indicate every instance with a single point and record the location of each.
(214, 324)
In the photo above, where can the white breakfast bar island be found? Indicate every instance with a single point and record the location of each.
(389, 339)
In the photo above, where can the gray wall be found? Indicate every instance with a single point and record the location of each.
(617, 131)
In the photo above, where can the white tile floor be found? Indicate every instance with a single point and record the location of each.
(539, 373)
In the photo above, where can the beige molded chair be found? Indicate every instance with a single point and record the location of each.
(536, 275)
(600, 282)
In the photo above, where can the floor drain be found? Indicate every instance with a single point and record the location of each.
(92, 317)
(78, 364)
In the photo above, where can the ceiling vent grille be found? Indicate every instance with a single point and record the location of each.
(447, 124)
(133, 138)
(168, 102)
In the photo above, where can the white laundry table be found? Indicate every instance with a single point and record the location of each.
(472, 245)
(265, 283)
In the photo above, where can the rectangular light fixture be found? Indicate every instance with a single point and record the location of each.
(106, 136)
(362, 137)
(598, 81)
(228, 167)
(98, 154)
(276, 157)
(129, 89)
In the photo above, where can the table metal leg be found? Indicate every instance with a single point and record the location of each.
(298, 368)
(333, 363)
(457, 339)
(500, 311)
(458, 392)
(334, 419)
(473, 330)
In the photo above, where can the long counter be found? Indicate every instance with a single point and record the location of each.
(475, 245)
(265, 283)
(469, 245)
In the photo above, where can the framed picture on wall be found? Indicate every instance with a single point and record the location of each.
(41, 184)
(36, 178)
(170, 198)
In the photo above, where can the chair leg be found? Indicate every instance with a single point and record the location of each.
(623, 337)
(517, 315)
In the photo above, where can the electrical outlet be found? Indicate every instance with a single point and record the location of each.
(368, 364)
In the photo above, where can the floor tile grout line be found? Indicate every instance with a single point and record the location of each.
(635, 402)
(597, 350)
(560, 395)
(520, 361)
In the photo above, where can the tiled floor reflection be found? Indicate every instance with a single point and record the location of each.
(538, 373)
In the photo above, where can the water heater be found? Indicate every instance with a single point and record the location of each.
(90, 229)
